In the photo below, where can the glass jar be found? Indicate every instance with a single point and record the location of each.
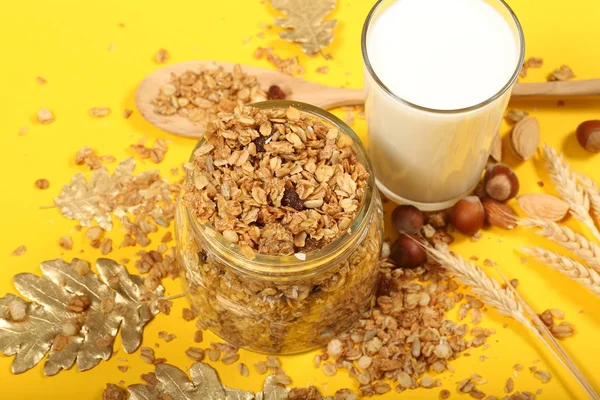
(284, 304)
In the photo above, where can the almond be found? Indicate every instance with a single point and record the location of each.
(496, 150)
(525, 138)
(539, 205)
(499, 214)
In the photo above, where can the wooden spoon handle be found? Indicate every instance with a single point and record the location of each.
(590, 87)
(335, 97)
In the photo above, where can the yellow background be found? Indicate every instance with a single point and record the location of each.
(68, 44)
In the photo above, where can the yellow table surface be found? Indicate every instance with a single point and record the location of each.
(67, 43)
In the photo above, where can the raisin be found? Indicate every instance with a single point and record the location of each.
(291, 199)
(260, 142)
(275, 93)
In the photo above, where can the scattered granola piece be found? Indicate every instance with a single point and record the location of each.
(106, 246)
(243, 369)
(261, 367)
(40, 80)
(563, 330)
(515, 115)
(195, 353)
(113, 392)
(273, 362)
(99, 112)
(23, 131)
(230, 358)
(514, 283)
(45, 116)
(167, 237)
(489, 263)
(444, 394)
(518, 367)
(147, 355)
(214, 354)
(198, 336)
(543, 376)
(66, 242)
(290, 66)
(188, 314)
(538, 392)
(283, 379)
(329, 369)
(42, 184)
(509, 386)
(161, 56)
(563, 73)
(122, 368)
(19, 251)
(127, 113)
(322, 70)
(534, 62)
(167, 337)
(156, 153)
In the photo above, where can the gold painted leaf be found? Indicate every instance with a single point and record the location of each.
(204, 384)
(87, 201)
(304, 22)
(82, 331)
(143, 392)
(273, 390)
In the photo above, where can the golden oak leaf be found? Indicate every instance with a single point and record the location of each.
(50, 323)
(204, 384)
(91, 200)
(304, 22)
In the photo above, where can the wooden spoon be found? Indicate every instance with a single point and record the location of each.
(323, 96)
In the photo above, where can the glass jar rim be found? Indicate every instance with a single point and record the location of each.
(506, 87)
(309, 263)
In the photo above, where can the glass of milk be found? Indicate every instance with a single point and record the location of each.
(438, 77)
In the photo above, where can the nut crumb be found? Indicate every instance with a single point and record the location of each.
(123, 368)
(99, 112)
(444, 394)
(188, 314)
(45, 116)
(127, 113)
(42, 184)
(40, 80)
(198, 336)
(563, 73)
(161, 56)
(66, 242)
(322, 70)
(19, 251)
(489, 263)
(23, 131)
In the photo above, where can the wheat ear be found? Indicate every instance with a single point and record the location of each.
(488, 289)
(591, 189)
(583, 248)
(569, 189)
(567, 266)
(506, 301)
(550, 341)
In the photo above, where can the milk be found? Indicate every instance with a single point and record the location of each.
(436, 57)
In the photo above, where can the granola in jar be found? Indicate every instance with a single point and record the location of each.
(279, 227)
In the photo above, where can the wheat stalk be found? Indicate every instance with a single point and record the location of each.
(583, 248)
(569, 189)
(567, 266)
(550, 341)
(488, 289)
(591, 189)
(505, 301)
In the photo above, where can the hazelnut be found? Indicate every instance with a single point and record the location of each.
(408, 252)
(468, 215)
(501, 183)
(407, 219)
(588, 135)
